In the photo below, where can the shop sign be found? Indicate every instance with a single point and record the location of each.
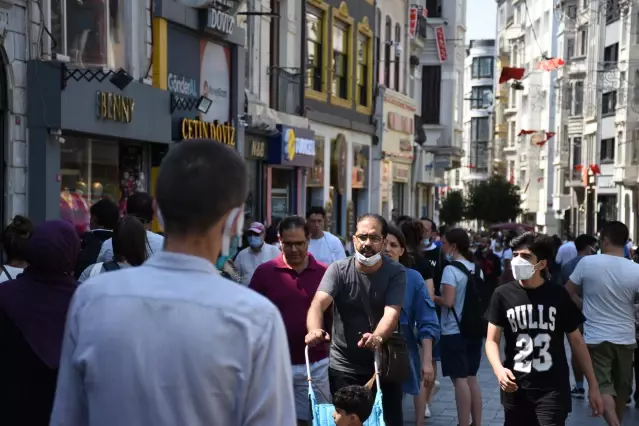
(221, 21)
(400, 173)
(258, 149)
(293, 147)
(196, 129)
(182, 85)
(399, 123)
(412, 21)
(442, 50)
(113, 107)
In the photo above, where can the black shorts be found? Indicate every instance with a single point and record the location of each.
(536, 408)
(460, 356)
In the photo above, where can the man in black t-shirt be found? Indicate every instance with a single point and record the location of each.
(534, 315)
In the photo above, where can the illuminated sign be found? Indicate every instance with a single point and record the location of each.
(294, 145)
(196, 129)
(113, 107)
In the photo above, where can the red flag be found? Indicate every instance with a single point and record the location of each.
(595, 169)
(509, 73)
(579, 167)
(525, 132)
(540, 179)
(550, 64)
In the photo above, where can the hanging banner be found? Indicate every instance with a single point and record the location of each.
(442, 50)
(424, 12)
(412, 22)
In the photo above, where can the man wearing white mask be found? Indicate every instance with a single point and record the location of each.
(255, 254)
(367, 294)
(534, 315)
(172, 342)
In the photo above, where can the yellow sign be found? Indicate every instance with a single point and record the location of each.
(290, 144)
(114, 107)
(196, 129)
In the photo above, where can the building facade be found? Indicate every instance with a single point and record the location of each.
(478, 110)
(437, 57)
(340, 65)
(280, 150)
(529, 31)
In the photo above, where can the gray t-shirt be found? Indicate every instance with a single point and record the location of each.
(343, 282)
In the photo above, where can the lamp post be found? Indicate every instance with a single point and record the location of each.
(590, 202)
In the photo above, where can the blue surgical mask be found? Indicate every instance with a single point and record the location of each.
(254, 241)
(427, 243)
(449, 257)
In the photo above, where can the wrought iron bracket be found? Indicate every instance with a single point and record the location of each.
(79, 74)
(182, 103)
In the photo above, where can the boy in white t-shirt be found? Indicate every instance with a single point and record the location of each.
(324, 246)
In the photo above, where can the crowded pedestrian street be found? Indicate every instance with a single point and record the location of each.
(444, 412)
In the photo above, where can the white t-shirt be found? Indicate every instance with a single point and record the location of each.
(609, 286)
(504, 255)
(454, 277)
(566, 253)
(327, 249)
(247, 261)
(12, 270)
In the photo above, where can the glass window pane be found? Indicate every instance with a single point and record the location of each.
(86, 32)
(314, 26)
(339, 38)
(116, 43)
(362, 51)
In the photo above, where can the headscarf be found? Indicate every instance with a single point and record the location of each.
(38, 299)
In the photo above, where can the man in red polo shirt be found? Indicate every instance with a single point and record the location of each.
(290, 282)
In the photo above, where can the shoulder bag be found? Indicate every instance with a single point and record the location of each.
(393, 359)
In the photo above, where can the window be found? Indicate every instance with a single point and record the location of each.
(576, 151)
(613, 11)
(434, 8)
(457, 177)
(387, 52)
(315, 38)
(364, 73)
(90, 33)
(572, 12)
(578, 98)
(482, 67)
(583, 42)
(607, 152)
(635, 90)
(340, 60)
(431, 93)
(634, 146)
(570, 48)
(378, 40)
(611, 56)
(479, 129)
(481, 97)
(609, 102)
(397, 58)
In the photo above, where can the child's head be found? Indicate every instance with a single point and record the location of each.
(353, 405)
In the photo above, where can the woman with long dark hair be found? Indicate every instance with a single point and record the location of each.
(460, 355)
(15, 238)
(130, 248)
(33, 310)
(418, 323)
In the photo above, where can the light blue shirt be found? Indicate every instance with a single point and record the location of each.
(155, 244)
(455, 277)
(173, 343)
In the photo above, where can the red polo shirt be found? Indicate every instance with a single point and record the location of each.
(292, 293)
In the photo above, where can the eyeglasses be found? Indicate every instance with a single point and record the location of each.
(300, 245)
(365, 237)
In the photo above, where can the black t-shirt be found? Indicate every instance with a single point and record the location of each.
(534, 323)
(434, 256)
(423, 266)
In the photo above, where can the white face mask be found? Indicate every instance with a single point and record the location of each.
(228, 233)
(368, 261)
(522, 269)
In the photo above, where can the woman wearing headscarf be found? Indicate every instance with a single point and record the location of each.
(33, 309)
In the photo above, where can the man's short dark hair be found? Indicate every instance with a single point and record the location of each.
(199, 182)
(106, 213)
(541, 245)
(583, 241)
(616, 232)
(433, 225)
(294, 222)
(316, 210)
(356, 400)
(379, 218)
(140, 205)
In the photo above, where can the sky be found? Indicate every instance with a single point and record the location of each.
(481, 18)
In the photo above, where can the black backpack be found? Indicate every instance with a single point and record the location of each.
(476, 299)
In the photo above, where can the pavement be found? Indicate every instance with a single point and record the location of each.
(444, 411)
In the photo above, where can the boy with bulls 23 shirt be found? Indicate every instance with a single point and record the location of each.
(534, 315)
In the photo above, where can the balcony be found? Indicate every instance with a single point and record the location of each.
(561, 203)
(286, 96)
(574, 178)
(561, 158)
(447, 154)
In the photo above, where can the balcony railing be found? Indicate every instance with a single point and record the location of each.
(286, 96)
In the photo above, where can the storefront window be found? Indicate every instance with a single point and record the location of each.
(93, 169)
(281, 194)
(90, 32)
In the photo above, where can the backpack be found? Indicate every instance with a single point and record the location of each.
(90, 246)
(476, 299)
(108, 266)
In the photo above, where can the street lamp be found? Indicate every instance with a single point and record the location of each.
(590, 202)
